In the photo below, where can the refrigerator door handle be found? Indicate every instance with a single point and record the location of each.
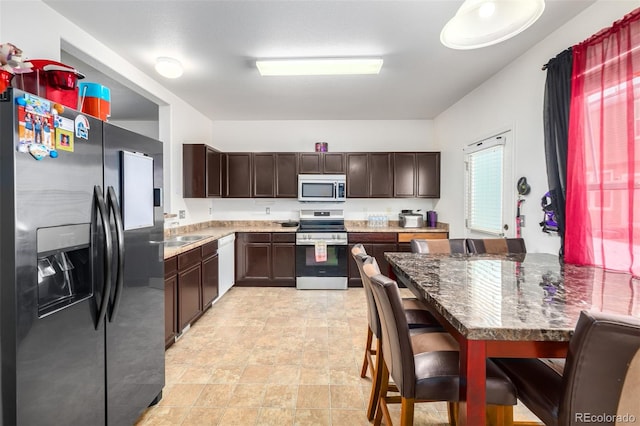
(108, 259)
(115, 210)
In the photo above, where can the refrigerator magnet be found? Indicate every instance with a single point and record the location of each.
(38, 151)
(64, 140)
(82, 127)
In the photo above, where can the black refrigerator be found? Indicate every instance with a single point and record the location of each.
(81, 290)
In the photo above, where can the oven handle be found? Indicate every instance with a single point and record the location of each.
(329, 243)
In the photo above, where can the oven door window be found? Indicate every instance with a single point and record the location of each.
(317, 190)
(334, 266)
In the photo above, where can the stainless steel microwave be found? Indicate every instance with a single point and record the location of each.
(327, 188)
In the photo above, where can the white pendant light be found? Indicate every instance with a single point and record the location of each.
(481, 23)
(168, 67)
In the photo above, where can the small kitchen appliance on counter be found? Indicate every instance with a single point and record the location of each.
(432, 219)
(408, 219)
(321, 251)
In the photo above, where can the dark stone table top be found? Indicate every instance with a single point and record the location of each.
(530, 297)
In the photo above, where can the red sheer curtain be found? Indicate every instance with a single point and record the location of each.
(603, 163)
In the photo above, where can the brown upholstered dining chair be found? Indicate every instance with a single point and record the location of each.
(496, 245)
(595, 373)
(429, 373)
(439, 246)
(415, 313)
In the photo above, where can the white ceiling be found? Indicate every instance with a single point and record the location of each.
(218, 41)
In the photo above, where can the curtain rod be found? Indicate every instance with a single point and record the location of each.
(545, 66)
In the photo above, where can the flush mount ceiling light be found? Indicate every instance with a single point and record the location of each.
(326, 66)
(481, 23)
(168, 67)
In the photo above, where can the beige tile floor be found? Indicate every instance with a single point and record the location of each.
(275, 356)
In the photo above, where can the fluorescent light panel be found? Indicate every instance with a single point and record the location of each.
(327, 66)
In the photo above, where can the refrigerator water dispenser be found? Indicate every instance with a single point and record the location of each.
(64, 267)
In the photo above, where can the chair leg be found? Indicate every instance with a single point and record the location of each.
(384, 387)
(406, 412)
(367, 349)
(499, 415)
(452, 408)
(376, 381)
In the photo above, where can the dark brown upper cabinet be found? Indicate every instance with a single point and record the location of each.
(428, 165)
(310, 162)
(370, 175)
(404, 174)
(357, 175)
(333, 163)
(286, 175)
(329, 163)
(381, 175)
(264, 173)
(416, 174)
(237, 172)
(201, 168)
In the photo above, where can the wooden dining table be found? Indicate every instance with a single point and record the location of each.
(523, 306)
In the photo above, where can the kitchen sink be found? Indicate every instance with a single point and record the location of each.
(188, 238)
(175, 243)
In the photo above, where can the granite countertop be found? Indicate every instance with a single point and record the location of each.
(361, 226)
(215, 230)
(516, 297)
(219, 230)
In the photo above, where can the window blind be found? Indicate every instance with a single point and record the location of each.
(484, 188)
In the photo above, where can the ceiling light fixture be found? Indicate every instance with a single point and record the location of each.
(168, 67)
(326, 66)
(481, 23)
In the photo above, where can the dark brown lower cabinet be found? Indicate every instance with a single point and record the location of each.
(283, 259)
(375, 244)
(378, 243)
(170, 301)
(189, 285)
(265, 259)
(210, 266)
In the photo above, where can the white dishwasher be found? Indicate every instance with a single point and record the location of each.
(226, 259)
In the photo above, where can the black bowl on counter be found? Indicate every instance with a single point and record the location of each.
(289, 224)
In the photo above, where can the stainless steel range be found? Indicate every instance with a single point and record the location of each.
(321, 251)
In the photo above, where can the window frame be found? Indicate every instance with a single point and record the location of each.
(498, 140)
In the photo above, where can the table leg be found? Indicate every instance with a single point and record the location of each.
(473, 376)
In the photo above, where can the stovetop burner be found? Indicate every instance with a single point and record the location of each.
(321, 221)
(321, 228)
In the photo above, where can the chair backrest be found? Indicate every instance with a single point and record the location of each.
(361, 258)
(600, 353)
(454, 245)
(396, 341)
(496, 245)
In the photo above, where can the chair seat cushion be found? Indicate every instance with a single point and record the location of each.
(413, 303)
(438, 379)
(434, 341)
(539, 386)
(417, 314)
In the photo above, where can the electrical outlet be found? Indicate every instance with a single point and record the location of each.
(182, 214)
(267, 210)
(522, 222)
(210, 211)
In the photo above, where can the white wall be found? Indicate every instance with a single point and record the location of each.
(147, 128)
(41, 31)
(341, 135)
(513, 98)
(301, 136)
